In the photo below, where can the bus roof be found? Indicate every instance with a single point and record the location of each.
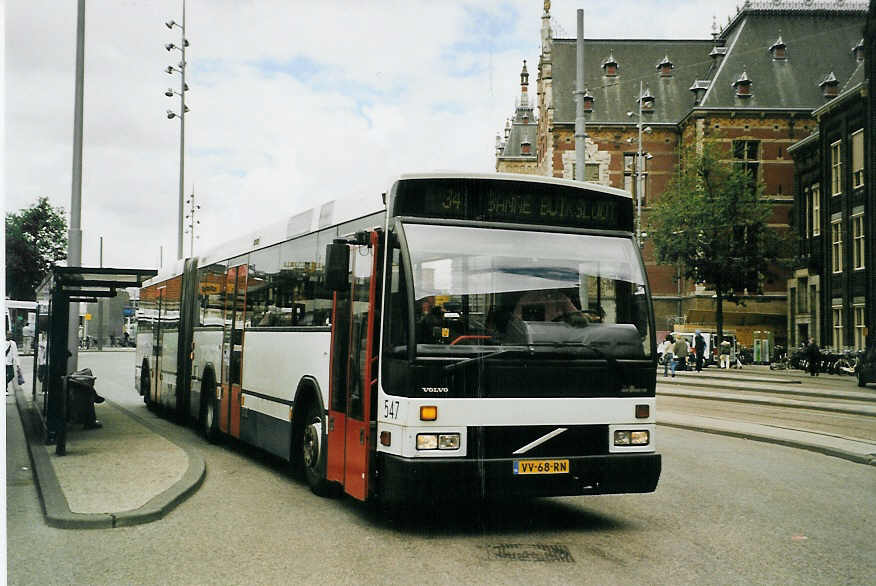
(340, 211)
(520, 177)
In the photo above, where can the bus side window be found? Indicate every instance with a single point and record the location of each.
(397, 303)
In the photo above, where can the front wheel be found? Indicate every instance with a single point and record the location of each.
(312, 454)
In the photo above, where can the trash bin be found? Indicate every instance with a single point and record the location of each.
(80, 398)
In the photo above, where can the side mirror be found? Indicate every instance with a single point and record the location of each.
(337, 267)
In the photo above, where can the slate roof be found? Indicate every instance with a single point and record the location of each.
(518, 132)
(613, 97)
(817, 41)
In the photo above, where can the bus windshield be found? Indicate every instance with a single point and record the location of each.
(476, 288)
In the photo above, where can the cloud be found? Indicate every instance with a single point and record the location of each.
(292, 103)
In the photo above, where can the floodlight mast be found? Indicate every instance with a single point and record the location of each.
(181, 69)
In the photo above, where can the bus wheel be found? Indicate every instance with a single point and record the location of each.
(210, 417)
(312, 456)
(145, 383)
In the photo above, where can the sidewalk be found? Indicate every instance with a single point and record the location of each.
(125, 473)
(860, 401)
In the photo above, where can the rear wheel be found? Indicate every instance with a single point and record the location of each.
(209, 410)
(312, 453)
(145, 384)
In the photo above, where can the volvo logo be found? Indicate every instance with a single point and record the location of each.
(435, 389)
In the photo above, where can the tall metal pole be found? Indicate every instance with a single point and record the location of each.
(639, 174)
(580, 123)
(74, 237)
(100, 305)
(182, 133)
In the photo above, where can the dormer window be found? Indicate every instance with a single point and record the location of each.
(858, 51)
(647, 101)
(718, 52)
(742, 86)
(665, 67)
(526, 146)
(609, 66)
(588, 101)
(699, 88)
(777, 50)
(829, 86)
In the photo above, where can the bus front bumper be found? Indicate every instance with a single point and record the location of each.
(452, 479)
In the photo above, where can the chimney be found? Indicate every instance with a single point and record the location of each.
(777, 50)
(742, 86)
(829, 86)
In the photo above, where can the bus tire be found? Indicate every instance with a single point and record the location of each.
(209, 409)
(312, 456)
(145, 384)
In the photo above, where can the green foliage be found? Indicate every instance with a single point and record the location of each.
(36, 239)
(711, 223)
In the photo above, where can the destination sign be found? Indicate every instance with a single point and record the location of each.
(518, 202)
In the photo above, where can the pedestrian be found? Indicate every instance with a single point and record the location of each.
(667, 353)
(725, 354)
(700, 349)
(813, 356)
(680, 350)
(13, 363)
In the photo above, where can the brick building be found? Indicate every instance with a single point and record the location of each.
(832, 294)
(751, 88)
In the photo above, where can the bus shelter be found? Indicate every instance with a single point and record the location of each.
(65, 285)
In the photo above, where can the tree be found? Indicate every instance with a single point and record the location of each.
(711, 222)
(36, 239)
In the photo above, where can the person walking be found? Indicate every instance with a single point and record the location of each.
(13, 363)
(700, 349)
(680, 349)
(667, 353)
(725, 354)
(813, 357)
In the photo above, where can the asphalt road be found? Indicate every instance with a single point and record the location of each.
(726, 511)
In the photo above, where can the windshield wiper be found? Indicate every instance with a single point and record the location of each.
(481, 357)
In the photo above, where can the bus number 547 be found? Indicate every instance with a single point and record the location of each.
(390, 409)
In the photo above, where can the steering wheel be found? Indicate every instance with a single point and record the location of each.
(469, 337)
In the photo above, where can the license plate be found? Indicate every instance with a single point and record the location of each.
(541, 466)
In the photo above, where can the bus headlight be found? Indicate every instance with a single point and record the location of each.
(437, 441)
(632, 438)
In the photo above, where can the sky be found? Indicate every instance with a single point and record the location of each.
(292, 103)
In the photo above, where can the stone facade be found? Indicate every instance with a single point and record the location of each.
(759, 103)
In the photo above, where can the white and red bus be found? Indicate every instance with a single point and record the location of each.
(472, 335)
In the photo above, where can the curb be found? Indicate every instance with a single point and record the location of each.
(777, 391)
(730, 398)
(55, 506)
(859, 458)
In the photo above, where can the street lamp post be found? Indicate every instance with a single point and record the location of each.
(640, 165)
(181, 69)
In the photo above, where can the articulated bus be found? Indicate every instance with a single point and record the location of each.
(472, 336)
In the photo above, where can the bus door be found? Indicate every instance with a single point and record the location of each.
(157, 331)
(353, 384)
(232, 350)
